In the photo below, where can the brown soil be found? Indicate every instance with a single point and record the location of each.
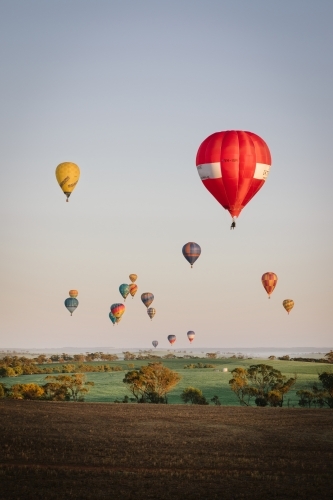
(92, 451)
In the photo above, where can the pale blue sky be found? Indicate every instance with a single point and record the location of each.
(128, 90)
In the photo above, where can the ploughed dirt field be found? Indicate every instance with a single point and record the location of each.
(91, 451)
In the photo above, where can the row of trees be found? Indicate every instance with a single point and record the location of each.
(57, 388)
(8, 371)
(56, 358)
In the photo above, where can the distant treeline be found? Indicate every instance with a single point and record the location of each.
(327, 359)
(13, 366)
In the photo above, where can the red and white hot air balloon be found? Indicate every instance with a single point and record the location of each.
(233, 165)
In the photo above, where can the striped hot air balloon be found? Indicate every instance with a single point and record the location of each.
(147, 298)
(133, 288)
(190, 336)
(269, 281)
(172, 339)
(288, 304)
(117, 310)
(191, 252)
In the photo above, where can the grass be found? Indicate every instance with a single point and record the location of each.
(96, 451)
(110, 386)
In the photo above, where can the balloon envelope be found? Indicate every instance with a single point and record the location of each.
(233, 165)
(133, 277)
(147, 298)
(124, 290)
(172, 339)
(151, 312)
(117, 310)
(133, 288)
(73, 293)
(155, 343)
(269, 282)
(67, 175)
(112, 318)
(190, 336)
(71, 303)
(191, 252)
(288, 304)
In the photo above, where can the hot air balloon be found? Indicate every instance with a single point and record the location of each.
(190, 336)
(117, 310)
(147, 298)
(233, 165)
(73, 293)
(133, 277)
(112, 318)
(133, 288)
(67, 175)
(288, 304)
(118, 320)
(151, 312)
(124, 290)
(191, 252)
(71, 303)
(155, 343)
(269, 281)
(172, 339)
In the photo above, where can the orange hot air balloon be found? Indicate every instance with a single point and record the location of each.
(117, 310)
(133, 277)
(288, 304)
(133, 288)
(73, 293)
(233, 165)
(269, 281)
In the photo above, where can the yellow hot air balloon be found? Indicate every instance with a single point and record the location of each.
(133, 277)
(73, 293)
(67, 175)
(288, 304)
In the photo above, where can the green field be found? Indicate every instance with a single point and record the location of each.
(110, 386)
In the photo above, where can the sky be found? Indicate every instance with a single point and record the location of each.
(128, 90)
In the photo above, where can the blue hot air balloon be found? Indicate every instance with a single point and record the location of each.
(191, 252)
(71, 303)
(124, 290)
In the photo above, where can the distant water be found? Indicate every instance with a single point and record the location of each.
(249, 352)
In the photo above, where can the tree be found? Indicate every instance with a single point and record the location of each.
(194, 396)
(75, 386)
(263, 382)
(211, 355)
(151, 383)
(216, 401)
(329, 357)
(326, 378)
(3, 391)
(7, 371)
(26, 391)
(129, 356)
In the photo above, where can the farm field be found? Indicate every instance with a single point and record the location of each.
(110, 386)
(93, 451)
